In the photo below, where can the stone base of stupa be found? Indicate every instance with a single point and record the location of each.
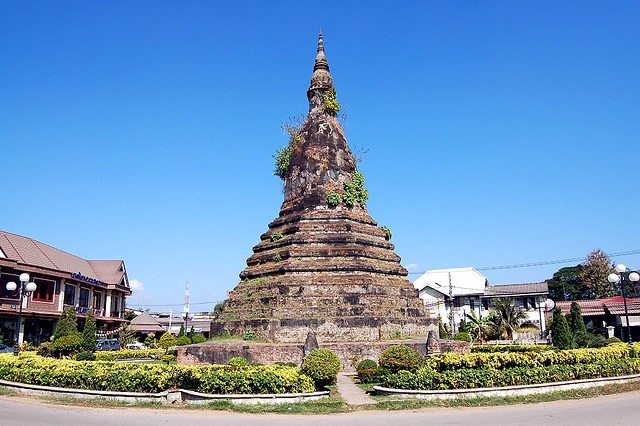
(330, 330)
(349, 353)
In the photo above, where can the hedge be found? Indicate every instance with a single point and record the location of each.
(126, 377)
(503, 360)
(128, 354)
(512, 348)
(428, 379)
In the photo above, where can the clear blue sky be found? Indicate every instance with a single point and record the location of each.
(498, 132)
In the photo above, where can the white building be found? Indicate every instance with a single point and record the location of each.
(452, 293)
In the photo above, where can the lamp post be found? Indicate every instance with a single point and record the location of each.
(26, 287)
(620, 276)
(186, 316)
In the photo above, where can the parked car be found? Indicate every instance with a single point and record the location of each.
(108, 345)
(4, 349)
(136, 345)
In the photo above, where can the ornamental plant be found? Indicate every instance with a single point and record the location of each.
(560, 332)
(400, 357)
(89, 333)
(323, 366)
(167, 340)
(368, 371)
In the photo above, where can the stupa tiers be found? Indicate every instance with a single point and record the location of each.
(324, 267)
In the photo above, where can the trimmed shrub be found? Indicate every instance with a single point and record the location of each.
(89, 333)
(611, 341)
(560, 332)
(428, 379)
(67, 345)
(368, 371)
(400, 357)
(463, 336)
(129, 354)
(134, 377)
(238, 361)
(198, 338)
(183, 340)
(511, 348)
(168, 359)
(167, 340)
(85, 356)
(323, 366)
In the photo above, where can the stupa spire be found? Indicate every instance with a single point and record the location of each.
(321, 78)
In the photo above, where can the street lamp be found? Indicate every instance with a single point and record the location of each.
(186, 316)
(26, 287)
(620, 277)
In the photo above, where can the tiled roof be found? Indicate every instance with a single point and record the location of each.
(516, 289)
(145, 323)
(31, 252)
(612, 305)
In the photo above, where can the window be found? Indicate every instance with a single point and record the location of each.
(44, 291)
(84, 298)
(69, 295)
(6, 294)
(97, 300)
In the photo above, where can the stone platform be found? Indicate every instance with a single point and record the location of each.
(269, 353)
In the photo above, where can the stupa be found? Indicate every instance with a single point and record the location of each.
(324, 265)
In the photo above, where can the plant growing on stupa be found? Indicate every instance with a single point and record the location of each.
(330, 103)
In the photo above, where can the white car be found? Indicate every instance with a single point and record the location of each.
(136, 345)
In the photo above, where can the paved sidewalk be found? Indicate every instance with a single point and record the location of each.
(351, 393)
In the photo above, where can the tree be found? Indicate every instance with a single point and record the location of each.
(508, 317)
(126, 336)
(575, 320)
(560, 332)
(89, 333)
(191, 333)
(479, 328)
(181, 332)
(167, 340)
(66, 324)
(594, 275)
(567, 285)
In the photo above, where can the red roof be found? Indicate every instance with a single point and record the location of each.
(611, 305)
(28, 251)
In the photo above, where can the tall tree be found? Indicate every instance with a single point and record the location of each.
(567, 285)
(560, 333)
(575, 320)
(508, 317)
(594, 275)
(66, 323)
(89, 333)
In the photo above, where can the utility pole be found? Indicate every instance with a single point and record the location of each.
(451, 317)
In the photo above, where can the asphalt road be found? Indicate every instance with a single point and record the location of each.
(621, 409)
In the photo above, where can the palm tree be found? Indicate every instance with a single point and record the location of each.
(480, 328)
(508, 317)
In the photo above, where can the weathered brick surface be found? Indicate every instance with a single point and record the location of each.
(349, 353)
(318, 268)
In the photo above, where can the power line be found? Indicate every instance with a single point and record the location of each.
(543, 263)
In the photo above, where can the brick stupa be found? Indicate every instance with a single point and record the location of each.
(321, 268)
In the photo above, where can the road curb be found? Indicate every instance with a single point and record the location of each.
(504, 391)
(170, 397)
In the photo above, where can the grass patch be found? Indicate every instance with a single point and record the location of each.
(329, 405)
(100, 402)
(389, 403)
(335, 404)
(7, 391)
(367, 387)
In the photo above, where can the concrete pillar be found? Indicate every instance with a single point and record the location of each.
(61, 296)
(21, 332)
(107, 306)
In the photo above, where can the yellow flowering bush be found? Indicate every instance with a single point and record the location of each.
(125, 377)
